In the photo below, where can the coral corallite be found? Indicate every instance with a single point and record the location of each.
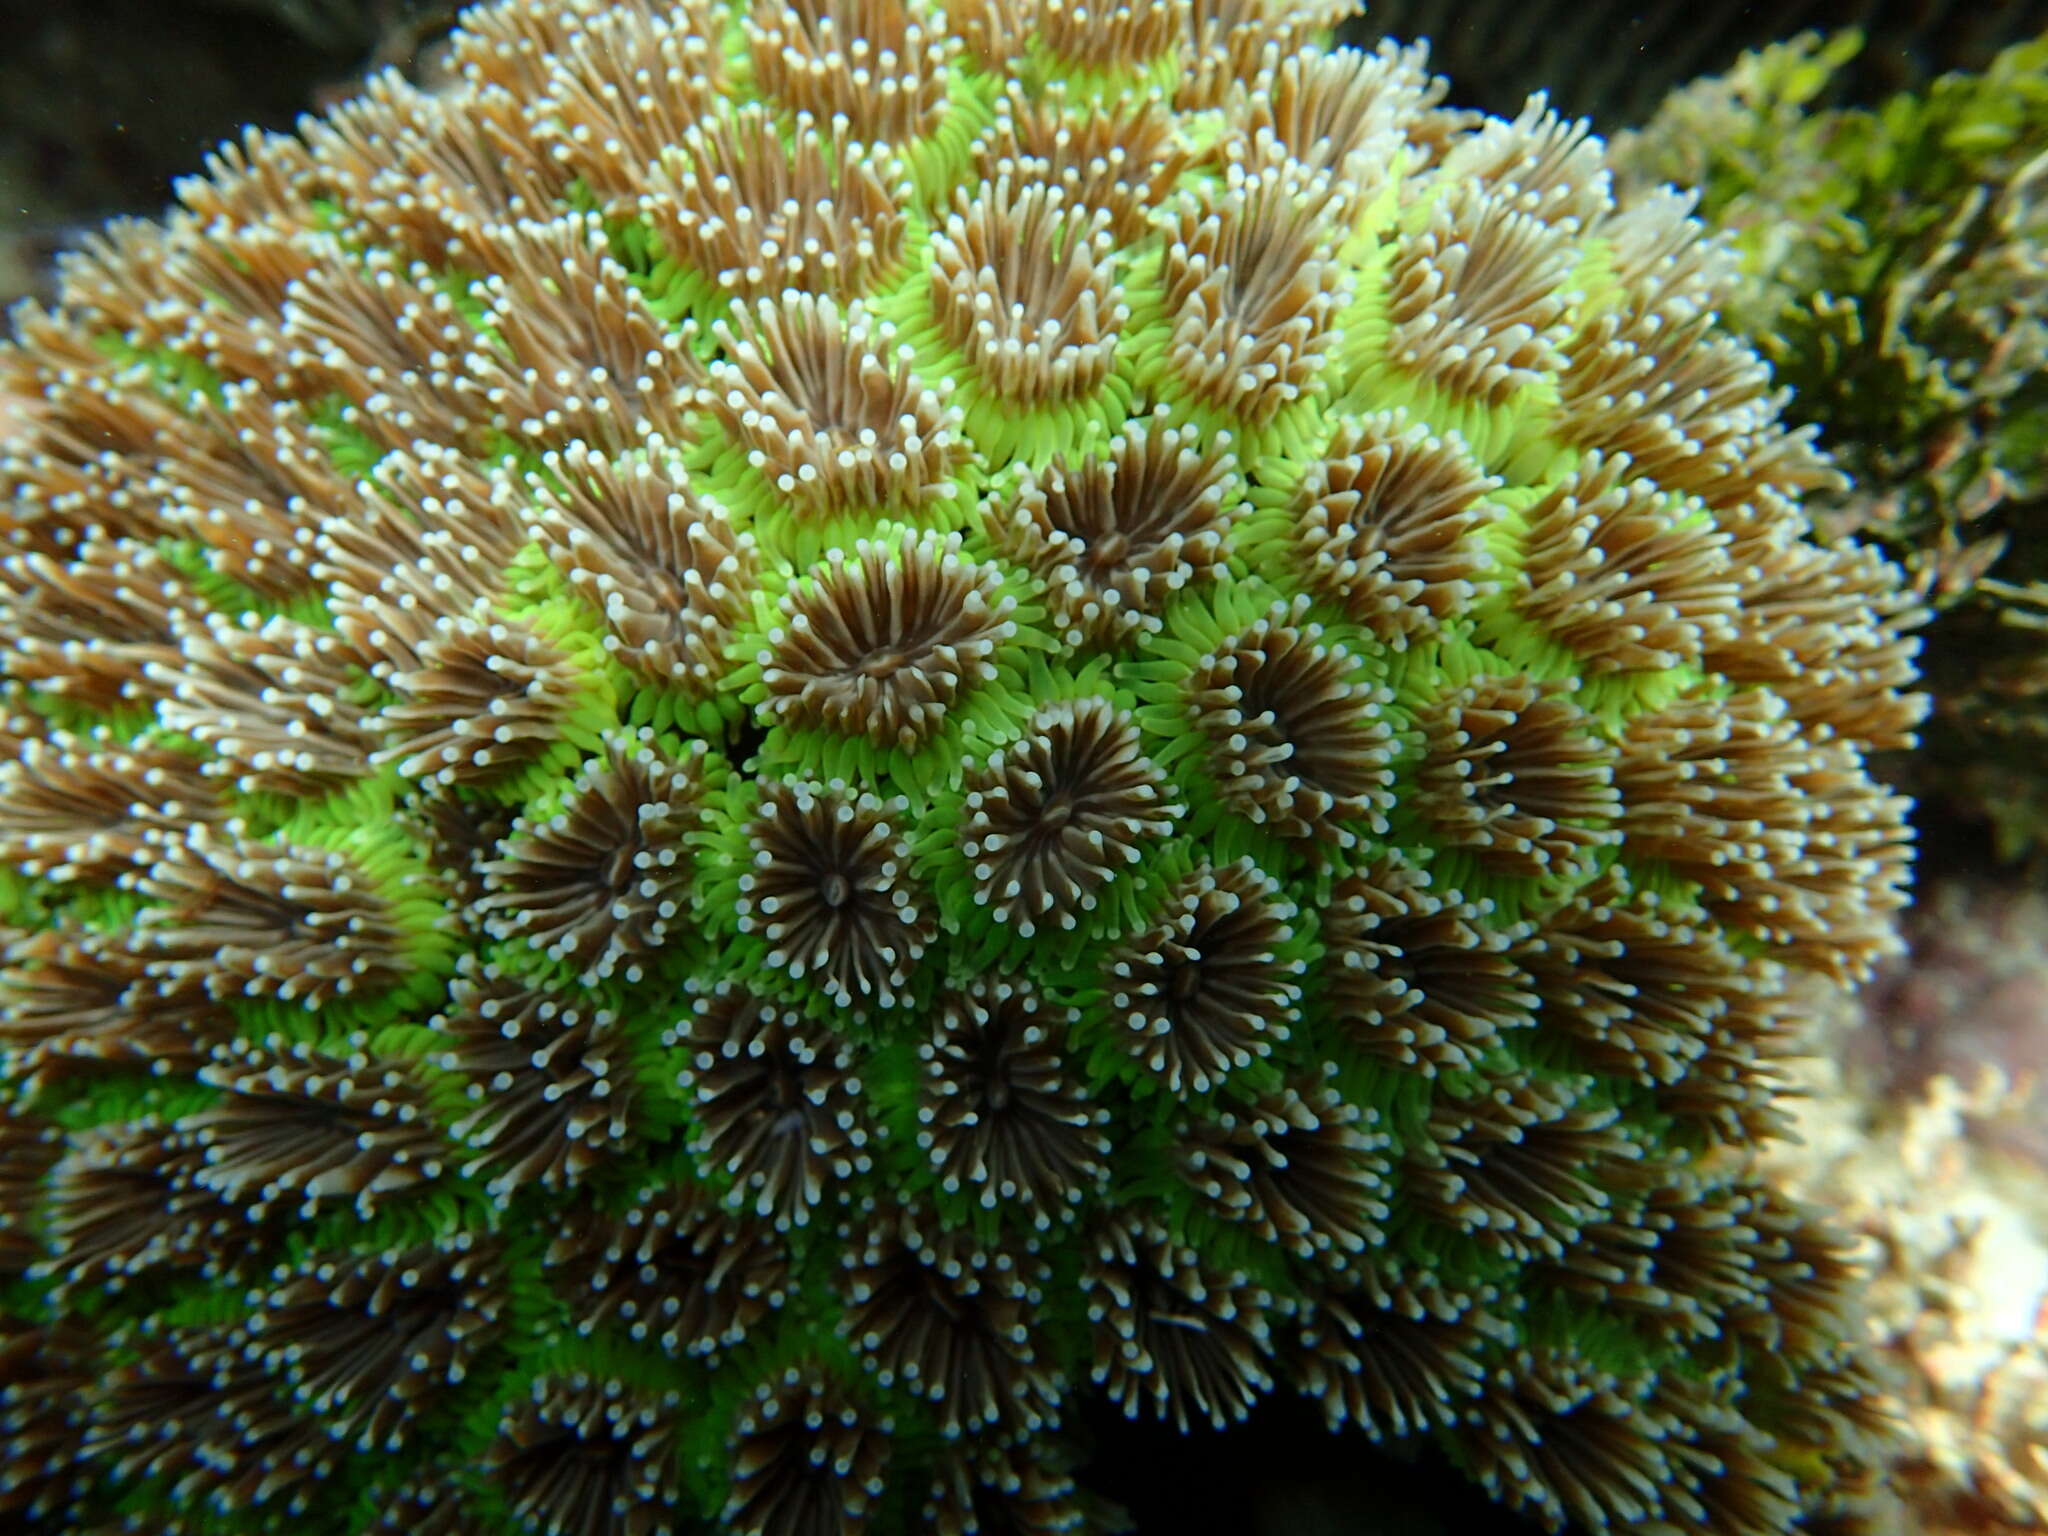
(772, 737)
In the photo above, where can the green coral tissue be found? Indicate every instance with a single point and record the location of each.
(768, 739)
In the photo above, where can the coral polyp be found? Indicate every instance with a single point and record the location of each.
(774, 740)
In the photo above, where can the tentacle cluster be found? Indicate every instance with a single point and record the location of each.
(1205, 989)
(777, 1102)
(1174, 1338)
(673, 1269)
(1052, 818)
(1001, 1112)
(830, 891)
(951, 1320)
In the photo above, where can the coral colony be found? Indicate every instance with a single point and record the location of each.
(746, 750)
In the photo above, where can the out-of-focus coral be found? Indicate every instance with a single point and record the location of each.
(1924, 1128)
(1896, 276)
(1973, 996)
(1615, 60)
(88, 130)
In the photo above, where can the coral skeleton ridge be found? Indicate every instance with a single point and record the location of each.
(772, 736)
